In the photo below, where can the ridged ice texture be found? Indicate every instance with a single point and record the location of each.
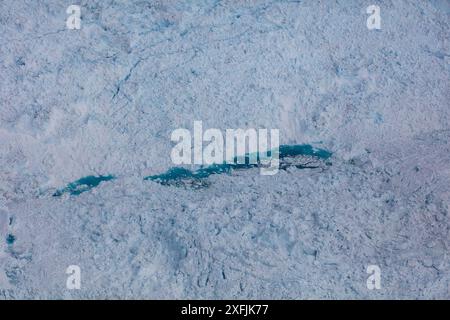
(105, 99)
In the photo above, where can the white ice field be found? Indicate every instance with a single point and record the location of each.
(103, 100)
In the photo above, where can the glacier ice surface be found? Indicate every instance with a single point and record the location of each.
(104, 99)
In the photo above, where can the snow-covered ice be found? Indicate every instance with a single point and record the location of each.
(103, 100)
